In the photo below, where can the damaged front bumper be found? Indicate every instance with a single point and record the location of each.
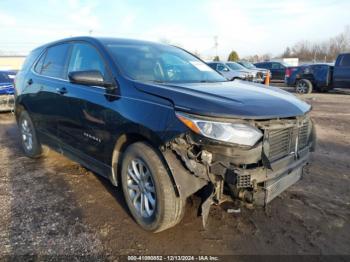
(7, 102)
(254, 175)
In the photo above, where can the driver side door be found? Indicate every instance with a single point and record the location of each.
(85, 133)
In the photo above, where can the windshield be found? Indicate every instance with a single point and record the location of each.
(248, 65)
(161, 63)
(235, 66)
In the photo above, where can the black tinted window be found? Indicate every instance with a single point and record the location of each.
(85, 57)
(345, 61)
(54, 63)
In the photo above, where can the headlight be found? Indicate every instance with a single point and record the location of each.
(236, 133)
(243, 75)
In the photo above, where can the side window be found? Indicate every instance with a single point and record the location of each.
(345, 61)
(54, 62)
(276, 66)
(85, 57)
(213, 66)
(264, 65)
(221, 67)
(39, 65)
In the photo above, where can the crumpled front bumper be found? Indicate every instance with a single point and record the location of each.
(7, 102)
(269, 183)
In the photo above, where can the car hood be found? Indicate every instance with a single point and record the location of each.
(232, 99)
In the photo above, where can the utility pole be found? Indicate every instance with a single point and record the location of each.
(216, 44)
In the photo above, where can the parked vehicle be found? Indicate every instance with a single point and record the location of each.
(341, 72)
(260, 72)
(232, 71)
(6, 91)
(279, 71)
(161, 124)
(321, 77)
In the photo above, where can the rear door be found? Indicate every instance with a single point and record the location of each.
(341, 75)
(45, 83)
(278, 71)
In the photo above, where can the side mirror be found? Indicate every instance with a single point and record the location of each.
(90, 78)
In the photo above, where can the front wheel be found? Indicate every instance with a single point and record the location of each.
(148, 190)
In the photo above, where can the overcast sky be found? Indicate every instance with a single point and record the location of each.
(249, 27)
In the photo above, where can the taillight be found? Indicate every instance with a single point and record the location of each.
(288, 72)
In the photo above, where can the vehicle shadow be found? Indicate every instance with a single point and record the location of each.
(40, 214)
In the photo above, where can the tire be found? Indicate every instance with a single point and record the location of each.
(29, 140)
(167, 209)
(304, 86)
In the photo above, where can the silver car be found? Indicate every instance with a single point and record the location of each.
(261, 73)
(233, 70)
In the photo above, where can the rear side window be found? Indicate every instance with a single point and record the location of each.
(53, 62)
(345, 61)
(30, 59)
(85, 57)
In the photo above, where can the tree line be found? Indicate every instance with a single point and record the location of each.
(307, 51)
(324, 51)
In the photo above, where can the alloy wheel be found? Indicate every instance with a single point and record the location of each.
(27, 136)
(140, 187)
(302, 88)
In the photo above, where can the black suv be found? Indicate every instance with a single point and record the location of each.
(160, 123)
(279, 71)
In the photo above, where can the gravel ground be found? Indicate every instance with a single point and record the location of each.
(53, 206)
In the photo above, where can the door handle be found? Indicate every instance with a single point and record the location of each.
(30, 81)
(61, 90)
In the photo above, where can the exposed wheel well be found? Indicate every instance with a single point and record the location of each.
(121, 145)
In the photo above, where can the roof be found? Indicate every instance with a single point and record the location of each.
(102, 40)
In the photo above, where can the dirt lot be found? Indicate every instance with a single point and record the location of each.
(54, 206)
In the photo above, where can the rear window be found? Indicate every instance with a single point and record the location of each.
(54, 62)
(345, 60)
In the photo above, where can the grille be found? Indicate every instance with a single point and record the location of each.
(282, 141)
(303, 135)
(243, 181)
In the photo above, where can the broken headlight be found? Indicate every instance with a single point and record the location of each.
(236, 133)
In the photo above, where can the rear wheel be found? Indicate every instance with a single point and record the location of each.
(30, 143)
(304, 86)
(148, 190)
